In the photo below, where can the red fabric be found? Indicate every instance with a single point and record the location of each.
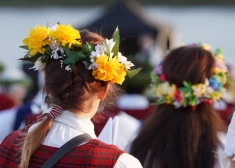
(6, 102)
(227, 113)
(93, 154)
(99, 121)
(140, 114)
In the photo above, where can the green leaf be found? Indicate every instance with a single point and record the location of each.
(66, 49)
(92, 46)
(116, 39)
(187, 84)
(86, 49)
(161, 102)
(48, 50)
(218, 51)
(27, 55)
(154, 77)
(24, 47)
(193, 101)
(70, 60)
(188, 94)
(184, 89)
(132, 73)
(74, 57)
(32, 59)
(81, 56)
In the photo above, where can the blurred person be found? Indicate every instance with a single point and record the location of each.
(6, 102)
(15, 84)
(31, 108)
(229, 151)
(17, 92)
(185, 131)
(14, 88)
(80, 70)
(149, 51)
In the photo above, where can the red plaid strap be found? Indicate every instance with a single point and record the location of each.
(55, 111)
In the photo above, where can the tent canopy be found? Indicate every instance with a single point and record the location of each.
(130, 18)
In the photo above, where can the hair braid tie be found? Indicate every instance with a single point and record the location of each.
(55, 111)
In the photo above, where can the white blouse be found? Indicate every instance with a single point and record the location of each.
(230, 139)
(69, 125)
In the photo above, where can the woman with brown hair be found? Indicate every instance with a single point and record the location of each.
(80, 70)
(185, 131)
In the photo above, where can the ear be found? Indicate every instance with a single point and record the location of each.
(103, 92)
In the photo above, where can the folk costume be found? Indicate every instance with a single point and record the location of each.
(65, 127)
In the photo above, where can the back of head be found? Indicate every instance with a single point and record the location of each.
(70, 89)
(189, 63)
(186, 136)
(80, 69)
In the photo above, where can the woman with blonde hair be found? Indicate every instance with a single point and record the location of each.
(185, 131)
(80, 70)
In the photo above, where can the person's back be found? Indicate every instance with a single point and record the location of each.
(184, 130)
(92, 154)
(76, 81)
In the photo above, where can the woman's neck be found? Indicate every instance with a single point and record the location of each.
(89, 108)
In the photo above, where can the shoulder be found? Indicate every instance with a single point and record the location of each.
(123, 160)
(9, 139)
(127, 161)
(14, 137)
(10, 150)
(107, 147)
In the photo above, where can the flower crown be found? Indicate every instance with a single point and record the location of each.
(63, 42)
(192, 94)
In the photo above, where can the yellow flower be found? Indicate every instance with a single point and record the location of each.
(198, 90)
(66, 34)
(121, 73)
(172, 91)
(158, 91)
(220, 58)
(216, 96)
(165, 89)
(36, 39)
(217, 70)
(206, 47)
(109, 69)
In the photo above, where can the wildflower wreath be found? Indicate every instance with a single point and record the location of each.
(63, 42)
(192, 94)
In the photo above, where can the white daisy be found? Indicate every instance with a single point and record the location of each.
(38, 65)
(110, 44)
(123, 60)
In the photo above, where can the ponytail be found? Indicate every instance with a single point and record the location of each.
(33, 140)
